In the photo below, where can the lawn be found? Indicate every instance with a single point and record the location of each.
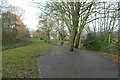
(22, 61)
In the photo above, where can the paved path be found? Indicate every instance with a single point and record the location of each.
(81, 64)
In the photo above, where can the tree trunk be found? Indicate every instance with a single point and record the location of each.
(73, 34)
(72, 39)
(71, 43)
(78, 40)
(78, 36)
(48, 37)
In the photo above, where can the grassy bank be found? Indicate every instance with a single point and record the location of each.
(15, 44)
(22, 61)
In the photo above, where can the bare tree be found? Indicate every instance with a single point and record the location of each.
(119, 25)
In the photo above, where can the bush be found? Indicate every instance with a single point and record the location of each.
(97, 43)
(15, 44)
(92, 42)
(106, 48)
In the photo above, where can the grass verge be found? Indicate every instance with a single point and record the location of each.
(22, 61)
(111, 57)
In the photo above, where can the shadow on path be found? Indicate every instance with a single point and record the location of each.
(81, 64)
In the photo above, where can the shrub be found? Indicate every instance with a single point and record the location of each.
(92, 42)
(97, 43)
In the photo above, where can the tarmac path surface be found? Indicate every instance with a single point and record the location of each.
(79, 64)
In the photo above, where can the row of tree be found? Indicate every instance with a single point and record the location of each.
(13, 29)
(77, 16)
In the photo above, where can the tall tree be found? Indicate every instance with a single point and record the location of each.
(119, 26)
(72, 12)
(82, 25)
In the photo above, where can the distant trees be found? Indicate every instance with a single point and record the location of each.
(13, 28)
(59, 26)
(46, 25)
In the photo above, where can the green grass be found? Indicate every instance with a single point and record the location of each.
(22, 61)
(65, 42)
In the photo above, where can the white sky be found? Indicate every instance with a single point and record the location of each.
(30, 15)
